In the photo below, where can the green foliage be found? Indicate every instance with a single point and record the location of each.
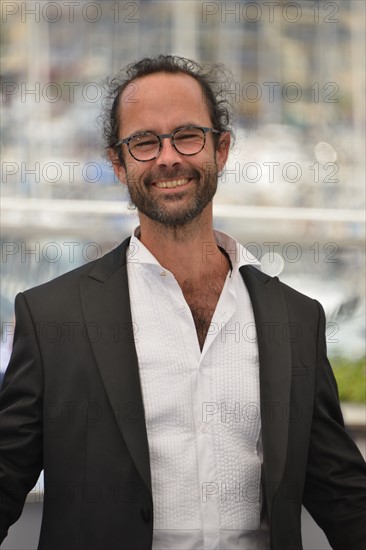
(351, 380)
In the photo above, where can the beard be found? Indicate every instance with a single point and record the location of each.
(161, 209)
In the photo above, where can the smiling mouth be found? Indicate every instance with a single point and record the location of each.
(171, 184)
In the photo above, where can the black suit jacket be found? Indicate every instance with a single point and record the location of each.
(71, 403)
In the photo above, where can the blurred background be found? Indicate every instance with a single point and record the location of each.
(293, 191)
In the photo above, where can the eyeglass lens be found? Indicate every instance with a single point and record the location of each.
(187, 141)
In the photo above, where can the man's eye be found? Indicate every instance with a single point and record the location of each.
(144, 143)
(188, 137)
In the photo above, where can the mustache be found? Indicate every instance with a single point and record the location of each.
(170, 174)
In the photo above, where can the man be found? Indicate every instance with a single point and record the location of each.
(185, 400)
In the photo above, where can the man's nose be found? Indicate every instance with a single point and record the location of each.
(168, 155)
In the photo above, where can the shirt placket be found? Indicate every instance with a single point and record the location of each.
(207, 413)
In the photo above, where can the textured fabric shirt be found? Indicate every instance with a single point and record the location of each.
(202, 407)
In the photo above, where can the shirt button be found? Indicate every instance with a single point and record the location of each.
(145, 514)
(163, 273)
(204, 428)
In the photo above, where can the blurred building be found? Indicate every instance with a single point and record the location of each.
(296, 172)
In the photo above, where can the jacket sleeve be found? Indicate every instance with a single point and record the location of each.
(335, 489)
(20, 419)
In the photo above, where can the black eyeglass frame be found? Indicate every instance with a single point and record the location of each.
(160, 137)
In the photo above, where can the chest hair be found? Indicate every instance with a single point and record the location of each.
(202, 296)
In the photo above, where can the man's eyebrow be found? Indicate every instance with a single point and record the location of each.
(141, 131)
(189, 124)
(152, 131)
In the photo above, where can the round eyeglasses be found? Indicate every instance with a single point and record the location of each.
(146, 146)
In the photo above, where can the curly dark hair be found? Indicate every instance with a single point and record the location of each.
(214, 80)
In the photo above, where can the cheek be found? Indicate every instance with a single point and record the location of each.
(134, 172)
(208, 164)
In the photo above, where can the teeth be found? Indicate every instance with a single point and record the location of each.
(171, 184)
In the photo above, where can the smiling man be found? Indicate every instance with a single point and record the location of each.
(176, 176)
(196, 408)
(173, 156)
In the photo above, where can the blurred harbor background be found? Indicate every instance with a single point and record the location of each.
(293, 191)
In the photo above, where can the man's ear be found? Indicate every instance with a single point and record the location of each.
(222, 151)
(118, 168)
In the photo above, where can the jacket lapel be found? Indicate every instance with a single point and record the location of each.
(106, 305)
(274, 350)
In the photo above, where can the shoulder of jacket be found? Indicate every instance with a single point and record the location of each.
(290, 294)
(109, 262)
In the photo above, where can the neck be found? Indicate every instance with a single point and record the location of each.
(186, 251)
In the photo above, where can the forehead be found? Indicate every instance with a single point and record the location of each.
(161, 102)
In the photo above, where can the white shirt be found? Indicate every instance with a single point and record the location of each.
(202, 408)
